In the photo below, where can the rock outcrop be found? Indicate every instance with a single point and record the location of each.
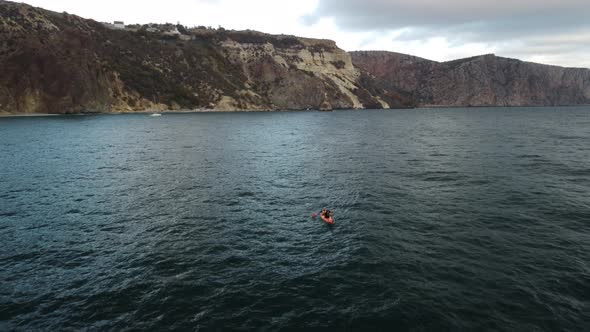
(485, 80)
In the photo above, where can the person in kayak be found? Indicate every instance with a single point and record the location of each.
(326, 216)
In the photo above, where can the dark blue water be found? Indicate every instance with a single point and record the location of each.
(445, 220)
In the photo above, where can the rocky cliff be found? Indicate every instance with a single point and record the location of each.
(485, 80)
(61, 63)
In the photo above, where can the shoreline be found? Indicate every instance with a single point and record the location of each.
(10, 115)
(26, 115)
(420, 107)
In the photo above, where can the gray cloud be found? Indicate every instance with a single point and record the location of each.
(394, 14)
(493, 22)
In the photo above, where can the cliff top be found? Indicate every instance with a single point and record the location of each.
(20, 18)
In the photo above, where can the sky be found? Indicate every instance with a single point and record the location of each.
(553, 32)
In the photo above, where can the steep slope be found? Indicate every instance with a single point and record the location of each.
(61, 63)
(485, 80)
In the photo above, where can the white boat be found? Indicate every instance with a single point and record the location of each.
(156, 114)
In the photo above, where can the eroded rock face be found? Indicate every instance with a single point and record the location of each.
(61, 63)
(485, 80)
(293, 73)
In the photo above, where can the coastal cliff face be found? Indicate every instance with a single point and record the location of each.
(485, 80)
(61, 63)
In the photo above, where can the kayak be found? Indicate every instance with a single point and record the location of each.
(328, 221)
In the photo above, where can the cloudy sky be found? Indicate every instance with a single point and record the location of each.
(546, 31)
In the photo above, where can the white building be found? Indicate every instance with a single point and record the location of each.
(119, 24)
(173, 32)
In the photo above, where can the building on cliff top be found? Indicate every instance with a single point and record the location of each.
(119, 25)
(172, 32)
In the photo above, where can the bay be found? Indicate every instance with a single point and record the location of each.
(445, 220)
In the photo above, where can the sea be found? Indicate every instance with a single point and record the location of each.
(457, 219)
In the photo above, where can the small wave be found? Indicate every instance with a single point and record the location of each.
(8, 214)
(235, 261)
(529, 156)
(231, 203)
(113, 229)
(479, 182)
(439, 176)
(568, 137)
(20, 257)
(99, 213)
(580, 172)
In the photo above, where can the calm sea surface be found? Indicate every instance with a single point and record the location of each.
(445, 220)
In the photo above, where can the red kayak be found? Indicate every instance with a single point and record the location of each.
(328, 221)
